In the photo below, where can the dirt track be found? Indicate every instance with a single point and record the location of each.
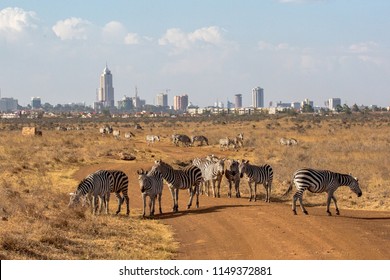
(234, 228)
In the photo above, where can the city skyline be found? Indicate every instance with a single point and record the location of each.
(210, 50)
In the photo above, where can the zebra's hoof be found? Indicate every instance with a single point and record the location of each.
(305, 212)
(295, 212)
(329, 214)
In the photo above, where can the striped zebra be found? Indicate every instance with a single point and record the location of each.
(189, 178)
(288, 141)
(116, 133)
(201, 139)
(151, 184)
(232, 174)
(318, 181)
(212, 170)
(181, 138)
(120, 185)
(239, 140)
(97, 185)
(258, 175)
(150, 139)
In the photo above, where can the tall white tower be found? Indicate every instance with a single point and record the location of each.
(258, 97)
(106, 90)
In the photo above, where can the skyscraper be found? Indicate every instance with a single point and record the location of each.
(258, 97)
(162, 100)
(238, 100)
(106, 90)
(180, 103)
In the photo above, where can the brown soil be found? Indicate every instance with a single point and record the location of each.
(234, 228)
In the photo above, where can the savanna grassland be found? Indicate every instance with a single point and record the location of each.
(38, 172)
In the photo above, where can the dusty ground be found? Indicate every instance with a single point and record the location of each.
(234, 228)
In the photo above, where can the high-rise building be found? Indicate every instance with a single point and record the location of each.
(106, 90)
(258, 97)
(8, 104)
(238, 101)
(162, 100)
(180, 103)
(332, 103)
(36, 103)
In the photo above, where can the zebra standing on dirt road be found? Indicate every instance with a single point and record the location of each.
(189, 178)
(258, 175)
(151, 184)
(98, 186)
(318, 181)
(212, 170)
(232, 174)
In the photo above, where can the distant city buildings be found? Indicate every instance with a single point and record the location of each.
(8, 104)
(162, 100)
(257, 97)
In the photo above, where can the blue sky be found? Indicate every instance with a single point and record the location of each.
(210, 50)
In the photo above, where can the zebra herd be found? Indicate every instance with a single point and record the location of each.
(95, 189)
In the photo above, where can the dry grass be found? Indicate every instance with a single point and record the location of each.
(38, 172)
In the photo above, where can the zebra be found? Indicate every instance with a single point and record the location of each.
(258, 175)
(239, 140)
(152, 138)
(151, 184)
(185, 178)
(232, 174)
(121, 185)
(181, 138)
(226, 142)
(116, 134)
(318, 181)
(105, 130)
(200, 138)
(98, 186)
(288, 141)
(129, 135)
(212, 170)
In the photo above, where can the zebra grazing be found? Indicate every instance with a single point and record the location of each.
(232, 174)
(150, 139)
(225, 143)
(318, 181)
(181, 138)
(185, 178)
(201, 139)
(120, 185)
(258, 175)
(105, 130)
(212, 170)
(151, 184)
(288, 141)
(98, 186)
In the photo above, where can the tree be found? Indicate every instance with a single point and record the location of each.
(346, 109)
(355, 108)
(306, 108)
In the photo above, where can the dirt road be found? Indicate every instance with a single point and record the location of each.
(234, 228)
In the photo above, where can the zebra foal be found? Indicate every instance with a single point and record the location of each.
(151, 184)
(318, 181)
(189, 178)
(258, 175)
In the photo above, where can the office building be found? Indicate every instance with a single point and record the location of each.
(106, 89)
(162, 100)
(258, 97)
(238, 101)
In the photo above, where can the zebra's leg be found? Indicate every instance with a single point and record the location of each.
(173, 194)
(255, 189)
(213, 182)
(126, 198)
(335, 204)
(237, 187)
(143, 204)
(159, 202)
(250, 191)
(219, 187)
(191, 190)
(107, 202)
(328, 200)
(120, 201)
(230, 189)
(151, 205)
(197, 195)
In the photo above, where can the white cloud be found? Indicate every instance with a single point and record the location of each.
(201, 37)
(363, 47)
(265, 46)
(72, 28)
(16, 22)
(114, 32)
(132, 39)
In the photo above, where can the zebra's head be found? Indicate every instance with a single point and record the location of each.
(76, 198)
(243, 167)
(354, 186)
(141, 179)
(234, 167)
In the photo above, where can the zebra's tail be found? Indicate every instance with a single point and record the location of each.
(289, 189)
